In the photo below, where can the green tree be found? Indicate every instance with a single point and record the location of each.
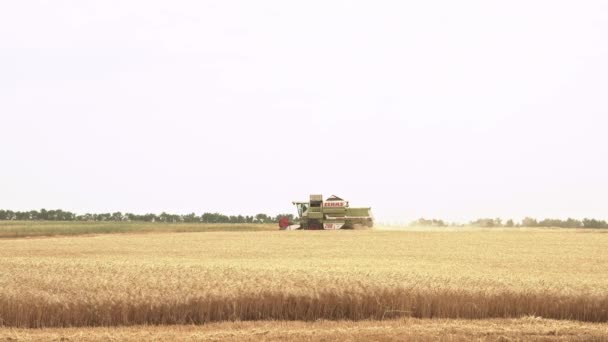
(529, 222)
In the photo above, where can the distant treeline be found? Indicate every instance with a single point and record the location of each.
(526, 222)
(60, 215)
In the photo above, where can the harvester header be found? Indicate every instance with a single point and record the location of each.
(333, 213)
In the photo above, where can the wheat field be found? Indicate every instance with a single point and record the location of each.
(195, 278)
(23, 229)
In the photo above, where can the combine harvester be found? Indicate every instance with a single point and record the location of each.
(333, 213)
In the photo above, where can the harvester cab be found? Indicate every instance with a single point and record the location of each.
(333, 213)
(302, 207)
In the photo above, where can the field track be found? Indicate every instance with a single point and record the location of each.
(524, 329)
(194, 278)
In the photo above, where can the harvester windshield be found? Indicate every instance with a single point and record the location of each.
(302, 207)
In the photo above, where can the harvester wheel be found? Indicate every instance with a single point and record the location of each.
(314, 225)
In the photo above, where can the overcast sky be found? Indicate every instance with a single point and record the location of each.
(447, 109)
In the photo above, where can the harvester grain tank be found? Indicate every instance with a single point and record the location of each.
(333, 213)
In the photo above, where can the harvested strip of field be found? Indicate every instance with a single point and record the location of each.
(110, 280)
(22, 229)
(525, 329)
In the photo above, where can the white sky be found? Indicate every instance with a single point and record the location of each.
(447, 109)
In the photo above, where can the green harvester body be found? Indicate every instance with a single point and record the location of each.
(333, 213)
